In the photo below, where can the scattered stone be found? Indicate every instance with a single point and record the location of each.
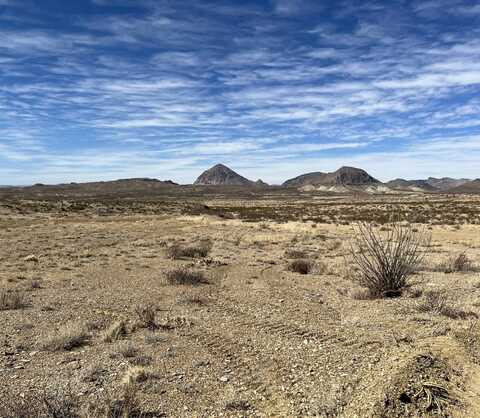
(31, 258)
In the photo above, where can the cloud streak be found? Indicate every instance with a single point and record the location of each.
(276, 87)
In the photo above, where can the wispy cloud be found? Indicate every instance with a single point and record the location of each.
(129, 88)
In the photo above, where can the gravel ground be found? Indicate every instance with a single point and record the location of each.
(257, 340)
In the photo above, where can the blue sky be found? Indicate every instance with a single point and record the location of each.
(105, 89)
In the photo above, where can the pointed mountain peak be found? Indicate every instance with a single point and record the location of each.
(221, 175)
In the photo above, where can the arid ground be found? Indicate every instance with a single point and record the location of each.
(92, 303)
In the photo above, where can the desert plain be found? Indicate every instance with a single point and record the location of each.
(189, 305)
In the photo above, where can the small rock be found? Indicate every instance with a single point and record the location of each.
(224, 379)
(31, 258)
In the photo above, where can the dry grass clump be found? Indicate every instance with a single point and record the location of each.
(385, 260)
(11, 300)
(116, 331)
(183, 276)
(146, 317)
(128, 350)
(295, 254)
(67, 338)
(35, 284)
(200, 249)
(439, 303)
(127, 406)
(192, 299)
(459, 263)
(361, 294)
(136, 374)
(301, 266)
(58, 405)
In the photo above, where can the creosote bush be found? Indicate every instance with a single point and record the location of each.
(183, 276)
(301, 266)
(384, 260)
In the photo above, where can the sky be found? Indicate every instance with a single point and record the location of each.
(106, 89)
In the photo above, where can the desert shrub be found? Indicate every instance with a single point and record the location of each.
(67, 338)
(200, 249)
(115, 332)
(384, 261)
(146, 316)
(128, 350)
(301, 266)
(141, 360)
(135, 374)
(11, 300)
(459, 263)
(35, 284)
(439, 303)
(296, 254)
(434, 301)
(192, 299)
(361, 294)
(183, 276)
(127, 406)
(58, 405)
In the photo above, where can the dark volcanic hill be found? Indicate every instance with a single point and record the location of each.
(446, 183)
(411, 184)
(221, 175)
(350, 176)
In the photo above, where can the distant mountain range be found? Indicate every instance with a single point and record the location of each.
(343, 180)
(431, 184)
(121, 188)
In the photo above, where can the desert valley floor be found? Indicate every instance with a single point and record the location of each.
(88, 309)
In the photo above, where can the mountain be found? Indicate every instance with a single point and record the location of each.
(344, 176)
(261, 183)
(411, 185)
(472, 186)
(221, 175)
(305, 179)
(446, 183)
(120, 188)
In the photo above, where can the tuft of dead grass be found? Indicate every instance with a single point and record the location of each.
(127, 405)
(301, 266)
(67, 338)
(146, 315)
(439, 303)
(11, 300)
(183, 276)
(134, 375)
(459, 263)
(59, 404)
(295, 254)
(200, 250)
(115, 332)
(128, 350)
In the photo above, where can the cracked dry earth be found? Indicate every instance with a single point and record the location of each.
(257, 340)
